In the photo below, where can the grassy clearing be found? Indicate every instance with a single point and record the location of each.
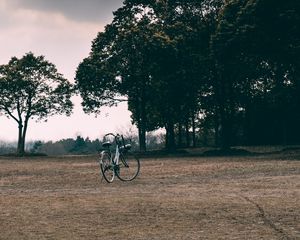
(254, 197)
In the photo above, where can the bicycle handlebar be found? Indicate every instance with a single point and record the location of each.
(109, 134)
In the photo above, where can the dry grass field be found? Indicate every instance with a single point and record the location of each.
(253, 197)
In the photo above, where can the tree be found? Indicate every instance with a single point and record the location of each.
(119, 66)
(275, 44)
(31, 88)
(155, 53)
(256, 51)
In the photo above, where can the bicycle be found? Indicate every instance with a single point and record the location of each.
(121, 163)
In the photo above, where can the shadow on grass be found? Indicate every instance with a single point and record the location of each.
(194, 153)
(217, 152)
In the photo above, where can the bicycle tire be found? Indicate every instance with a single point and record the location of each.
(128, 167)
(107, 167)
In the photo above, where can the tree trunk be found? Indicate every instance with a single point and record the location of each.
(20, 147)
(170, 136)
(224, 107)
(22, 137)
(141, 118)
(142, 139)
(226, 131)
(179, 134)
(217, 130)
(194, 130)
(282, 104)
(142, 127)
(187, 134)
(24, 134)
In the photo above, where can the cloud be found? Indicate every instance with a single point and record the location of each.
(78, 10)
(64, 41)
(62, 30)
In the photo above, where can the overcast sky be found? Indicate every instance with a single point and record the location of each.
(62, 31)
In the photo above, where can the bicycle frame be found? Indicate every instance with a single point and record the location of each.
(117, 156)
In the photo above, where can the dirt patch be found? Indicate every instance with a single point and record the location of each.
(173, 198)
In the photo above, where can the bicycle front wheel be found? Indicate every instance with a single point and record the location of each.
(107, 167)
(128, 167)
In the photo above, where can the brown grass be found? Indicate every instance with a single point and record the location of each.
(254, 197)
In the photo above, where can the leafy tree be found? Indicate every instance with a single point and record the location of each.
(185, 76)
(119, 66)
(31, 87)
(153, 52)
(226, 58)
(256, 54)
(232, 62)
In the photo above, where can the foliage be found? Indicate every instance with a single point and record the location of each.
(256, 57)
(222, 69)
(31, 88)
(142, 55)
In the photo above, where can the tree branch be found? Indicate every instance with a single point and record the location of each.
(116, 99)
(19, 111)
(11, 115)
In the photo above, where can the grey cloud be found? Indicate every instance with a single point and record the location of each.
(78, 10)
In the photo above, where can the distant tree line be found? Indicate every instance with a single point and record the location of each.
(225, 72)
(77, 146)
(7, 147)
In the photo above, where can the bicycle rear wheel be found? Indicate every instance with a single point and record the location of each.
(129, 166)
(107, 167)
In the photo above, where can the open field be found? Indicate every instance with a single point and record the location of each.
(254, 197)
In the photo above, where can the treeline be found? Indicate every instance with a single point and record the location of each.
(7, 147)
(76, 146)
(226, 72)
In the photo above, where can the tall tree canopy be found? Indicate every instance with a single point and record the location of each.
(225, 68)
(31, 87)
(152, 53)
